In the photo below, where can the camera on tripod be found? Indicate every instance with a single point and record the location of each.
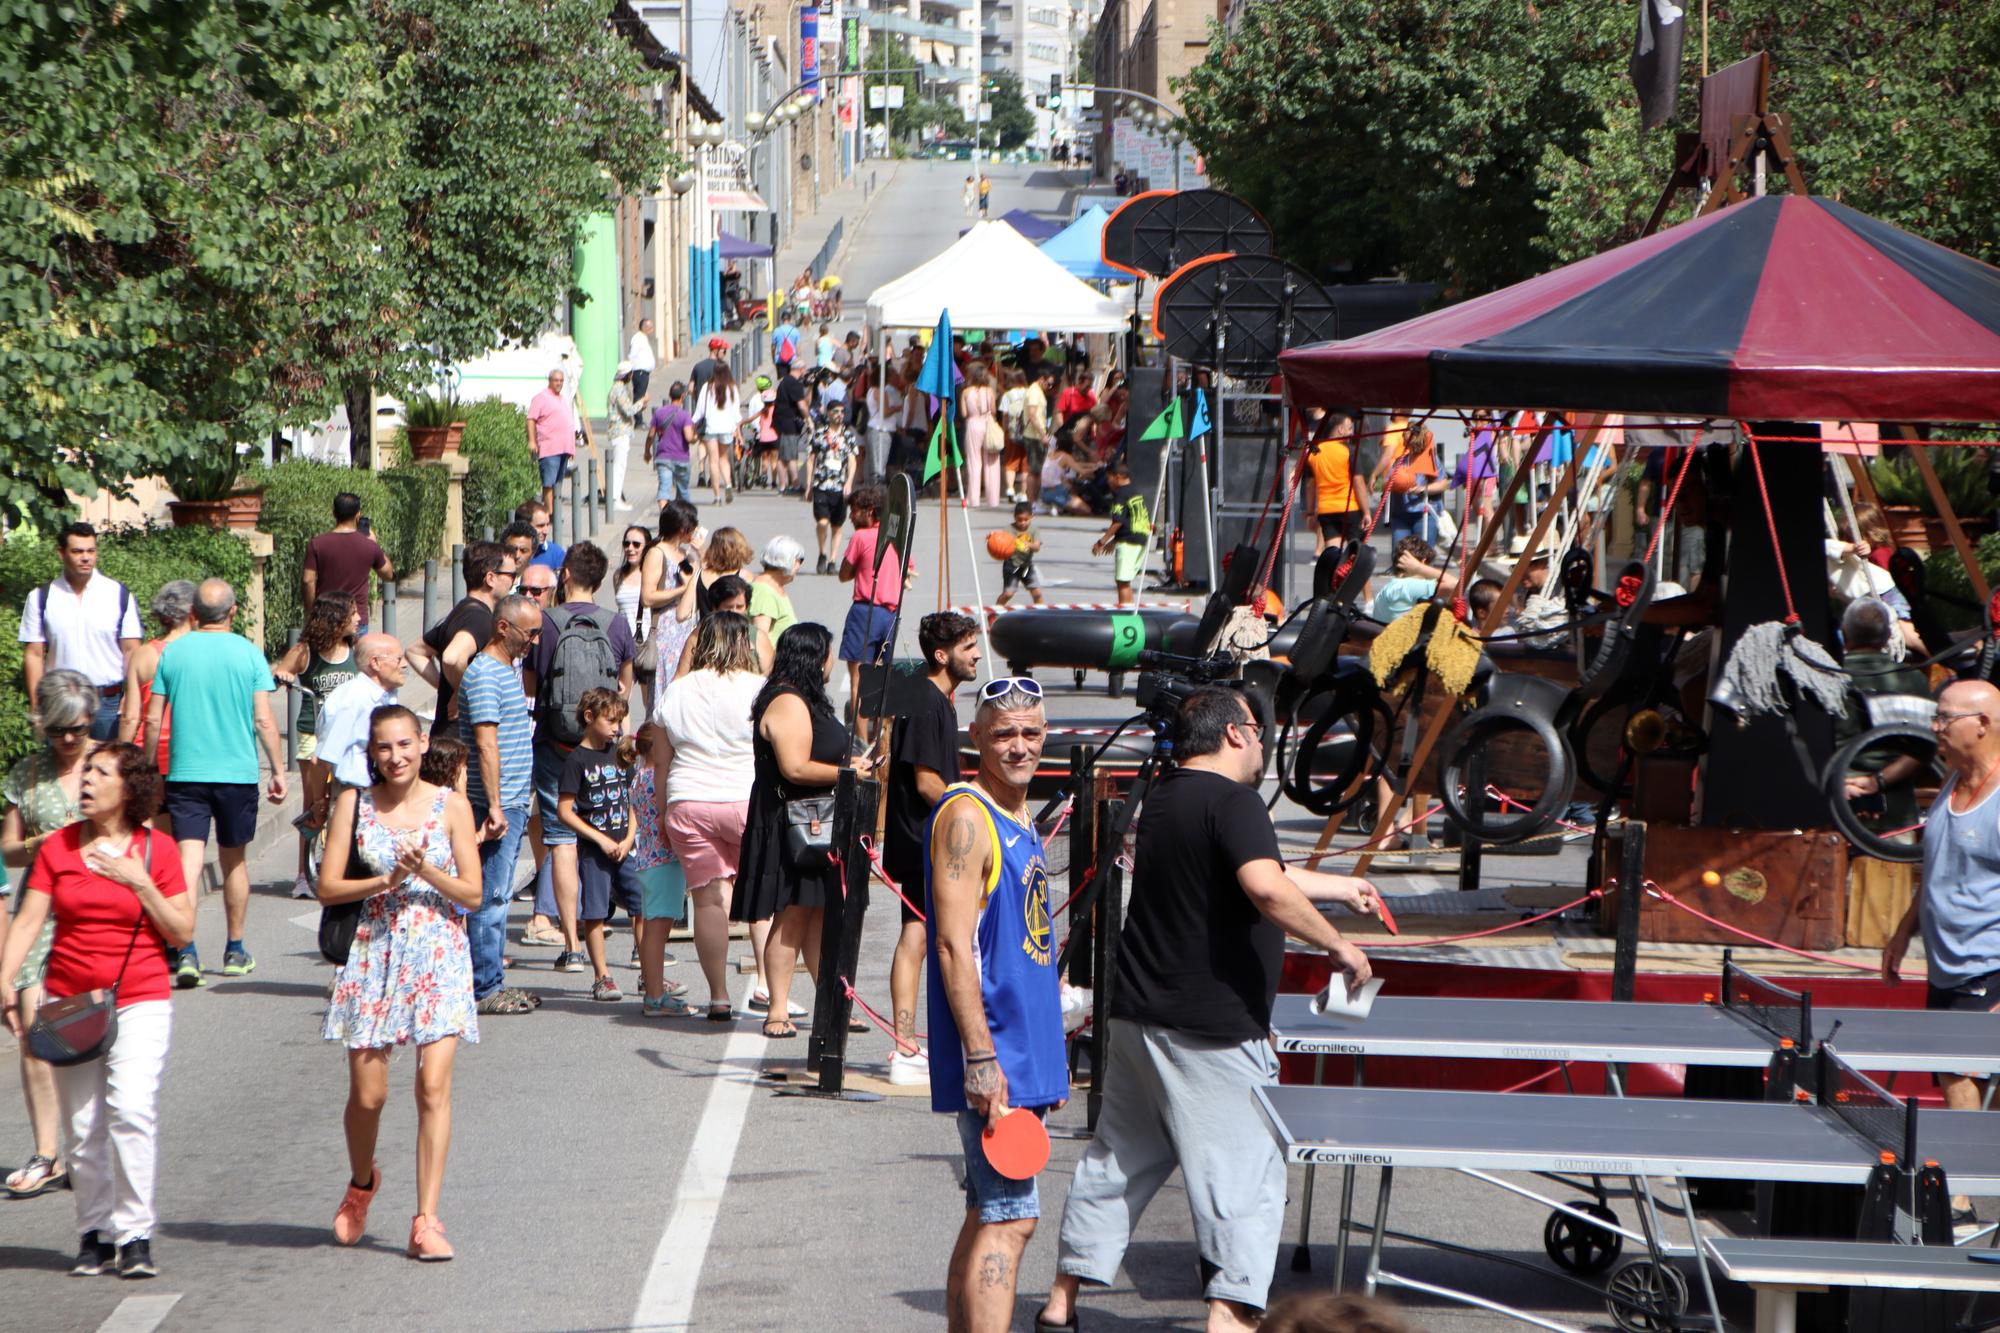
(1168, 680)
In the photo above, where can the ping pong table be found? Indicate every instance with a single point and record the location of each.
(1778, 1270)
(1847, 1130)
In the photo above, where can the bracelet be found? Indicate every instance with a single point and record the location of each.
(988, 1058)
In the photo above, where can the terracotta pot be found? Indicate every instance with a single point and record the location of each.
(233, 511)
(434, 441)
(1909, 527)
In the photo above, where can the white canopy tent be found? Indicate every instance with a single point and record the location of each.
(994, 278)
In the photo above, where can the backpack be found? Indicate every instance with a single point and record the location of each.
(583, 660)
(42, 608)
(788, 348)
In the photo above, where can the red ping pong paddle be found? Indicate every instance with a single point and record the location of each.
(1388, 917)
(1017, 1144)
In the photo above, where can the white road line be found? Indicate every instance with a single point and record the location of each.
(667, 1299)
(140, 1314)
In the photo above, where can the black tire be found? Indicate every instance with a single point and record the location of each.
(1468, 809)
(1355, 700)
(1919, 743)
(1607, 664)
(1650, 1297)
(1318, 641)
(1575, 1246)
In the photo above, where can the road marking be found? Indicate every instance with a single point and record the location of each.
(140, 1314)
(666, 1301)
(306, 920)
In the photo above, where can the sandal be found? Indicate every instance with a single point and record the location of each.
(775, 1031)
(721, 1011)
(507, 1001)
(37, 1176)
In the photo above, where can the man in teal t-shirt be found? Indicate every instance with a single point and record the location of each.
(220, 688)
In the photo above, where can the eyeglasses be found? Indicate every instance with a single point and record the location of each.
(82, 729)
(1251, 722)
(995, 689)
(633, 546)
(542, 591)
(1940, 721)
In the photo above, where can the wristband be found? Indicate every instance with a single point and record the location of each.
(988, 1058)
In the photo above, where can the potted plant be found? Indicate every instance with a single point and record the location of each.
(208, 491)
(433, 424)
(1906, 501)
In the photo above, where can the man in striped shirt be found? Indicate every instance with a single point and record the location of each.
(498, 731)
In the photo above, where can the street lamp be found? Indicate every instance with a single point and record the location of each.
(755, 121)
(682, 183)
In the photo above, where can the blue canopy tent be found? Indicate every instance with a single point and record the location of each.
(735, 247)
(1021, 220)
(1079, 248)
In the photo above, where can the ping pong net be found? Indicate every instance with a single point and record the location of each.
(1785, 1014)
(1872, 1112)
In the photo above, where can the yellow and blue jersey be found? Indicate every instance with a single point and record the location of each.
(1014, 949)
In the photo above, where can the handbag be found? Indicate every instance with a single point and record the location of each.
(339, 921)
(647, 663)
(80, 1028)
(809, 832)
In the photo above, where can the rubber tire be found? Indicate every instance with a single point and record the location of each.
(1563, 1236)
(1317, 643)
(1834, 775)
(1607, 664)
(1354, 696)
(1642, 1279)
(1556, 791)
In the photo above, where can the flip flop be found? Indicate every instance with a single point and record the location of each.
(779, 1031)
(721, 1011)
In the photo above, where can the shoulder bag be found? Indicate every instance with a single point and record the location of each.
(80, 1028)
(339, 921)
(809, 832)
(647, 663)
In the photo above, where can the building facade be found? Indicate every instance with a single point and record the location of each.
(1145, 45)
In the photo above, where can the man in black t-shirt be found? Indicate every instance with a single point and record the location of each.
(923, 761)
(790, 418)
(1198, 966)
(445, 649)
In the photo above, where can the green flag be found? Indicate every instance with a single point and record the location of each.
(1167, 425)
(943, 437)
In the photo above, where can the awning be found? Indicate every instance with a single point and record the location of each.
(735, 247)
(736, 199)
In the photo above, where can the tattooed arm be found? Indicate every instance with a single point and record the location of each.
(961, 859)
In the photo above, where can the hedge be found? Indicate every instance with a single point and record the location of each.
(142, 558)
(417, 497)
(404, 506)
(503, 469)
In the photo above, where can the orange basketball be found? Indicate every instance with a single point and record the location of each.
(1000, 545)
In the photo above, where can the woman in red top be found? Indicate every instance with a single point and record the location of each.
(114, 889)
(1076, 397)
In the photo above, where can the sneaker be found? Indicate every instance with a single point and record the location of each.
(187, 972)
(303, 887)
(635, 959)
(427, 1242)
(570, 962)
(94, 1256)
(351, 1218)
(667, 959)
(909, 1071)
(135, 1259)
(604, 988)
(238, 963)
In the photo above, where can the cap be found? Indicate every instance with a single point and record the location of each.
(763, 381)
(624, 369)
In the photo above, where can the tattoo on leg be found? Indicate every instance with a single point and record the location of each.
(995, 1270)
(906, 1023)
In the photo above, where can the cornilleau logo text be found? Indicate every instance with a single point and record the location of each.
(1342, 1157)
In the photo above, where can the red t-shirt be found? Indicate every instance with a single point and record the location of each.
(860, 553)
(94, 917)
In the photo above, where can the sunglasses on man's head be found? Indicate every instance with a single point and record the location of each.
(996, 689)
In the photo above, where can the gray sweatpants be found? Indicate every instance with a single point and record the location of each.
(1174, 1100)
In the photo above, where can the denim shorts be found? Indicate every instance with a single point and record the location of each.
(548, 771)
(997, 1197)
(555, 467)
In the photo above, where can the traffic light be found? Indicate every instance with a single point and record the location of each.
(1055, 91)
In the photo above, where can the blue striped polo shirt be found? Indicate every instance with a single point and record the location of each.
(491, 692)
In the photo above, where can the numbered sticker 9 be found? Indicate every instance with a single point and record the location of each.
(1128, 636)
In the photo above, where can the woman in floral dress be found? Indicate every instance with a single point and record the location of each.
(397, 847)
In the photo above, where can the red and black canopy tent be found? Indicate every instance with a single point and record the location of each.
(1777, 309)
(1780, 308)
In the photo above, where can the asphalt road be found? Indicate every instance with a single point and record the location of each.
(612, 1172)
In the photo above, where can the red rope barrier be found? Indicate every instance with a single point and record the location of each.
(1496, 930)
(875, 862)
(1700, 915)
(878, 1020)
(1404, 827)
(1660, 528)
(1771, 522)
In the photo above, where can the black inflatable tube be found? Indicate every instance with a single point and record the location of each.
(1918, 743)
(1467, 809)
(1608, 662)
(1087, 639)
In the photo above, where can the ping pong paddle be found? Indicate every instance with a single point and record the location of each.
(1388, 917)
(1017, 1144)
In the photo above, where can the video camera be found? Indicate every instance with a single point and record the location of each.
(1167, 680)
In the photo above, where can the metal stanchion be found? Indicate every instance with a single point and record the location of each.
(389, 596)
(589, 495)
(457, 576)
(430, 593)
(291, 713)
(487, 532)
(854, 801)
(576, 530)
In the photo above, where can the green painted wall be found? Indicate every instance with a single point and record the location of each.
(594, 324)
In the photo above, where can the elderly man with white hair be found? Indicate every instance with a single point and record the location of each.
(220, 689)
(343, 718)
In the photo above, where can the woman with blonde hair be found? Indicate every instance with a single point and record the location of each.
(704, 749)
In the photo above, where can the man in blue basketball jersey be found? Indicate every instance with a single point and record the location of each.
(996, 1033)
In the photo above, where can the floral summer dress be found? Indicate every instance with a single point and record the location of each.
(649, 849)
(408, 978)
(33, 786)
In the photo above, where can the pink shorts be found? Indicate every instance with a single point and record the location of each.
(707, 836)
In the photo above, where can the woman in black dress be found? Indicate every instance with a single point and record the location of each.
(800, 747)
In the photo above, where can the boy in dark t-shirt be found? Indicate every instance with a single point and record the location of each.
(594, 798)
(1130, 531)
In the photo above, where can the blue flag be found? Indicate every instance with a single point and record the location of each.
(939, 378)
(1198, 426)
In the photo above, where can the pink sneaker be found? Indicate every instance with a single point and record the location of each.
(352, 1219)
(427, 1240)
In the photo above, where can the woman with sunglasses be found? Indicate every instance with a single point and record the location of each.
(626, 581)
(112, 889)
(41, 799)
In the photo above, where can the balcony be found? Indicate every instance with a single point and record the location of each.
(955, 6)
(905, 26)
(936, 73)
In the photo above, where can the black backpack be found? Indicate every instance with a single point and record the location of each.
(583, 660)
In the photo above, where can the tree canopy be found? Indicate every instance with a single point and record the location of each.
(215, 214)
(1013, 124)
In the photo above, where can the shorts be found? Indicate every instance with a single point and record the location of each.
(232, 806)
(1127, 559)
(998, 1198)
(308, 746)
(663, 891)
(866, 631)
(1981, 995)
(1335, 527)
(791, 448)
(830, 506)
(1014, 576)
(1055, 493)
(554, 468)
(707, 836)
(601, 882)
(549, 759)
